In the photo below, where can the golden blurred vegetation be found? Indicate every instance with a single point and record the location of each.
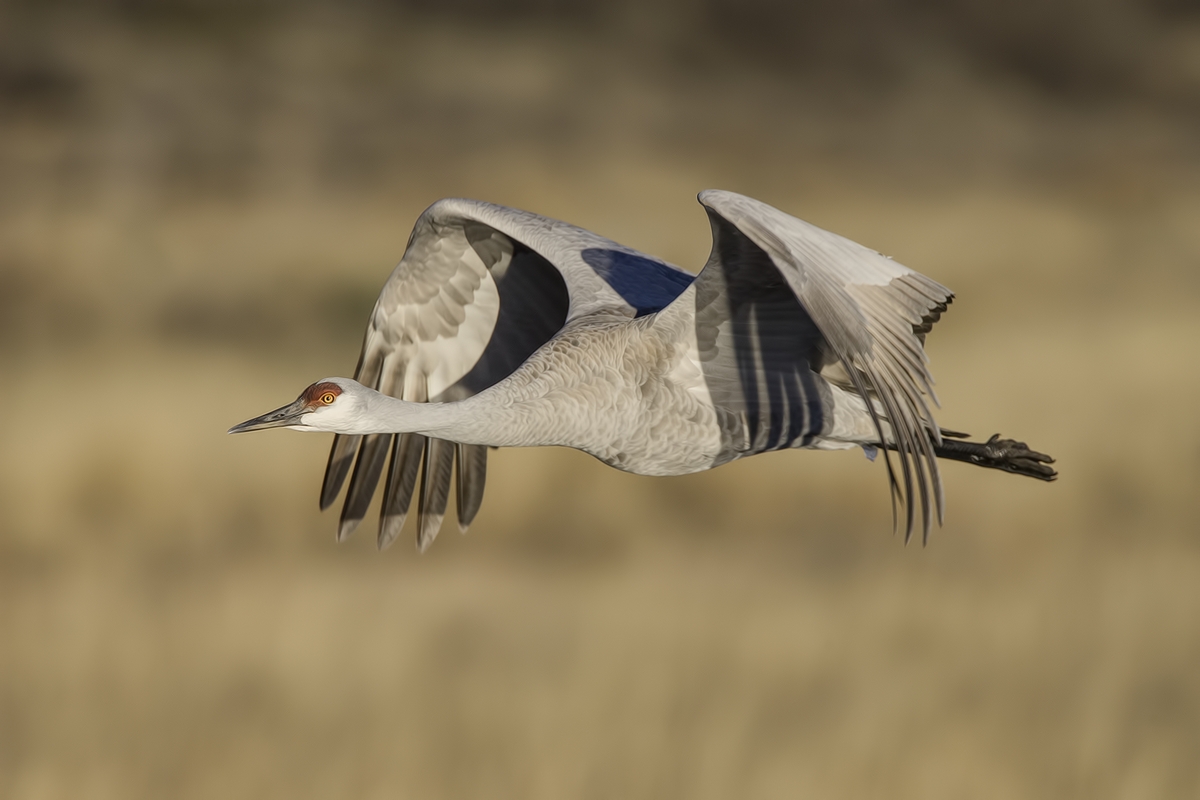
(198, 202)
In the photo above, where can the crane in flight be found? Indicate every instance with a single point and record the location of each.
(502, 328)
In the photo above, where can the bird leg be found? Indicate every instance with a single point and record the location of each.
(996, 453)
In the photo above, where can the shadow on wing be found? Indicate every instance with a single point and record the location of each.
(760, 349)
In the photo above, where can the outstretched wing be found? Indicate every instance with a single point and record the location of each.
(783, 304)
(478, 290)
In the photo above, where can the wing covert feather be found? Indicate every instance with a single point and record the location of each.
(480, 287)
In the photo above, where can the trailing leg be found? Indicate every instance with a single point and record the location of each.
(997, 453)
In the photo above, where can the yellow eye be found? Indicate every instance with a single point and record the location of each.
(328, 398)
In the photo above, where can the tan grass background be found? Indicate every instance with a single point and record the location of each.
(198, 202)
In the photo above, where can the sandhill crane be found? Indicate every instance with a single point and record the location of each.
(503, 328)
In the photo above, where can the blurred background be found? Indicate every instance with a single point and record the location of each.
(198, 203)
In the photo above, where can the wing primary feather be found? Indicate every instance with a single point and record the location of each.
(407, 452)
(903, 380)
(939, 491)
(901, 344)
(903, 452)
(903, 445)
(920, 427)
(472, 474)
(916, 440)
(362, 483)
(903, 401)
(435, 490)
(922, 430)
(344, 449)
(341, 457)
(860, 386)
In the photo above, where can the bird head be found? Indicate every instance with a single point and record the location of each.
(331, 404)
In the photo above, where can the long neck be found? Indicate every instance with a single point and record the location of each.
(389, 415)
(566, 394)
(489, 418)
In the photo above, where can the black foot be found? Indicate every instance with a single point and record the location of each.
(997, 453)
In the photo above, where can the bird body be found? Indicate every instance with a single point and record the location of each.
(609, 389)
(632, 395)
(501, 328)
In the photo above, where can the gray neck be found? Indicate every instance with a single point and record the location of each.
(390, 415)
(487, 418)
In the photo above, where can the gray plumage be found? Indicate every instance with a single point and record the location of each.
(504, 328)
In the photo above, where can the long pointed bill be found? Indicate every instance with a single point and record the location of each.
(284, 417)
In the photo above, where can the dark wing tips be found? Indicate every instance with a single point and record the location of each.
(437, 457)
(362, 483)
(407, 453)
(435, 490)
(413, 455)
(341, 456)
(472, 474)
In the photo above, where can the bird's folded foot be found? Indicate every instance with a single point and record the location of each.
(996, 453)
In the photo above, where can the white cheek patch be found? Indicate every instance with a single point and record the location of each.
(344, 415)
(305, 423)
(318, 419)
